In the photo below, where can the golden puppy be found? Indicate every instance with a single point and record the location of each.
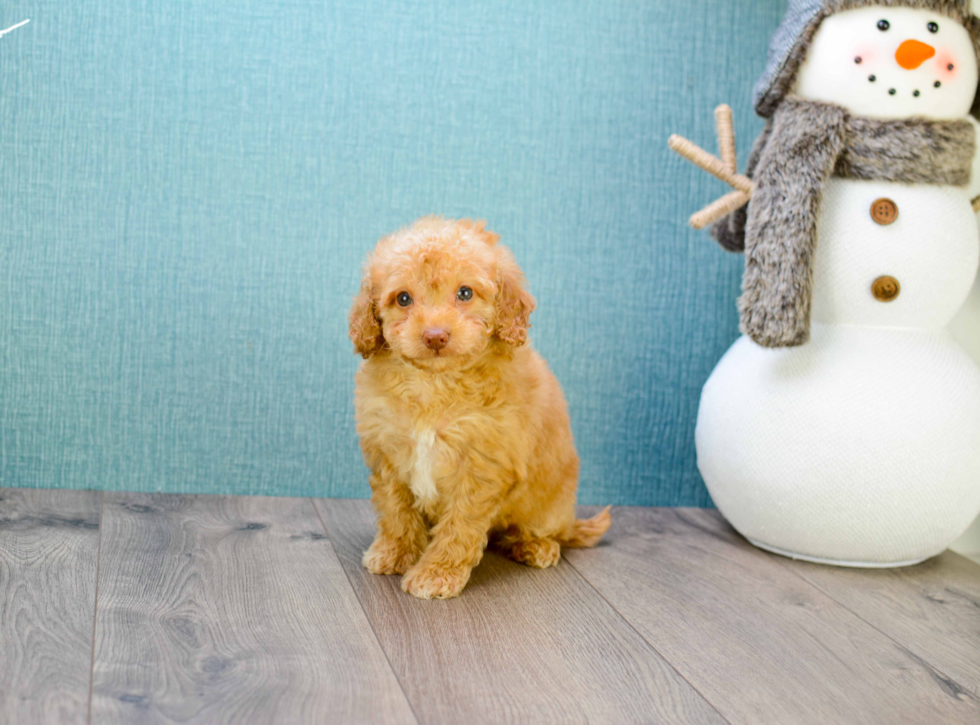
(464, 427)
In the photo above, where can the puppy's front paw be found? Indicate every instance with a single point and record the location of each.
(539, 553)
(386, 556)
(435, 582)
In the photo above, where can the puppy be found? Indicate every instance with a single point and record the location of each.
(462, 424)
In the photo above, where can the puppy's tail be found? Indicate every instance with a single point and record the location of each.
(585, 533)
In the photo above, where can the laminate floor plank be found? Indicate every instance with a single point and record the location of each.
(231, 609)
(761, 644)
(932, 608)
(49, 549)
(519, 646)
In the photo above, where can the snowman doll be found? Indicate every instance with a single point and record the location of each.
(844, 426)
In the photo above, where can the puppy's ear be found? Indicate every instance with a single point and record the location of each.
(365, 326)
(514, 303)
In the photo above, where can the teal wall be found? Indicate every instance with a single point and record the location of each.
(188, 188)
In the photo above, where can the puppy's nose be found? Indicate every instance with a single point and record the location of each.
(911, 54)
(436, 338)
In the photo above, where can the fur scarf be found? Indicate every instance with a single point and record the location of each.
(804, 144)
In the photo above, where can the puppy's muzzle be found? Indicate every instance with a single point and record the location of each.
(435, 338)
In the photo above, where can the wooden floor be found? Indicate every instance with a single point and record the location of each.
(131, 608)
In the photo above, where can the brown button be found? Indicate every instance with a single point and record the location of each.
(884, 211)
(886, 289)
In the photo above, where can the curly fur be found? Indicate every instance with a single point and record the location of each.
(365, 327)
(470, 444)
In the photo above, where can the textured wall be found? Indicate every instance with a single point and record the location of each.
(188, 187)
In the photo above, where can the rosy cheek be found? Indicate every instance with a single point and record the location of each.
(868, 54)
(947, 65)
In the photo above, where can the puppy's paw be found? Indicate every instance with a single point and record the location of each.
(386, 556)
(434, 582)
(539, 553)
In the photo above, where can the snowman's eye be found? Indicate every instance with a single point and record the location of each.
(883, 25)
(933, 28)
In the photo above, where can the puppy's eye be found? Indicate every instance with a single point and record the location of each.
(883, 25)
(933, 27)
(404, 299)
(465, 294)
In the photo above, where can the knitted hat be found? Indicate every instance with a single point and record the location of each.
(792, 40)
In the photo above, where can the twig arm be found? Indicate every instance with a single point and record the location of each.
(725, 128)
(717, 209)
(724, 168)
(712, 164)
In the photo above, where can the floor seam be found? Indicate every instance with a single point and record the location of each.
(95, 613)
(783, 563)
(644, 639)
(890, 638)
(367, 618)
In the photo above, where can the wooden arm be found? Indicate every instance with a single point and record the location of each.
(724, 168)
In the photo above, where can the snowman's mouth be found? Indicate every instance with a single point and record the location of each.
(892, 90)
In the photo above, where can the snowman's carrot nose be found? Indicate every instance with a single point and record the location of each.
(911, 54)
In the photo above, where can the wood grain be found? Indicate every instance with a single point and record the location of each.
(49, 544)
(519, 645)
(761, 644)
(220, 609)
(933, 608)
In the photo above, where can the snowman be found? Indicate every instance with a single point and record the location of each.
(844, 426)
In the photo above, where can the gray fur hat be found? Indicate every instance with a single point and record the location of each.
(792, 40)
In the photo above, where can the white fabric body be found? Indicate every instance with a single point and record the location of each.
(932, 249)
(861, 447)
(829, 73)
(966, 325)
(966, 329)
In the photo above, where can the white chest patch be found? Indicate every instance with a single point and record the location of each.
(423, 483)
